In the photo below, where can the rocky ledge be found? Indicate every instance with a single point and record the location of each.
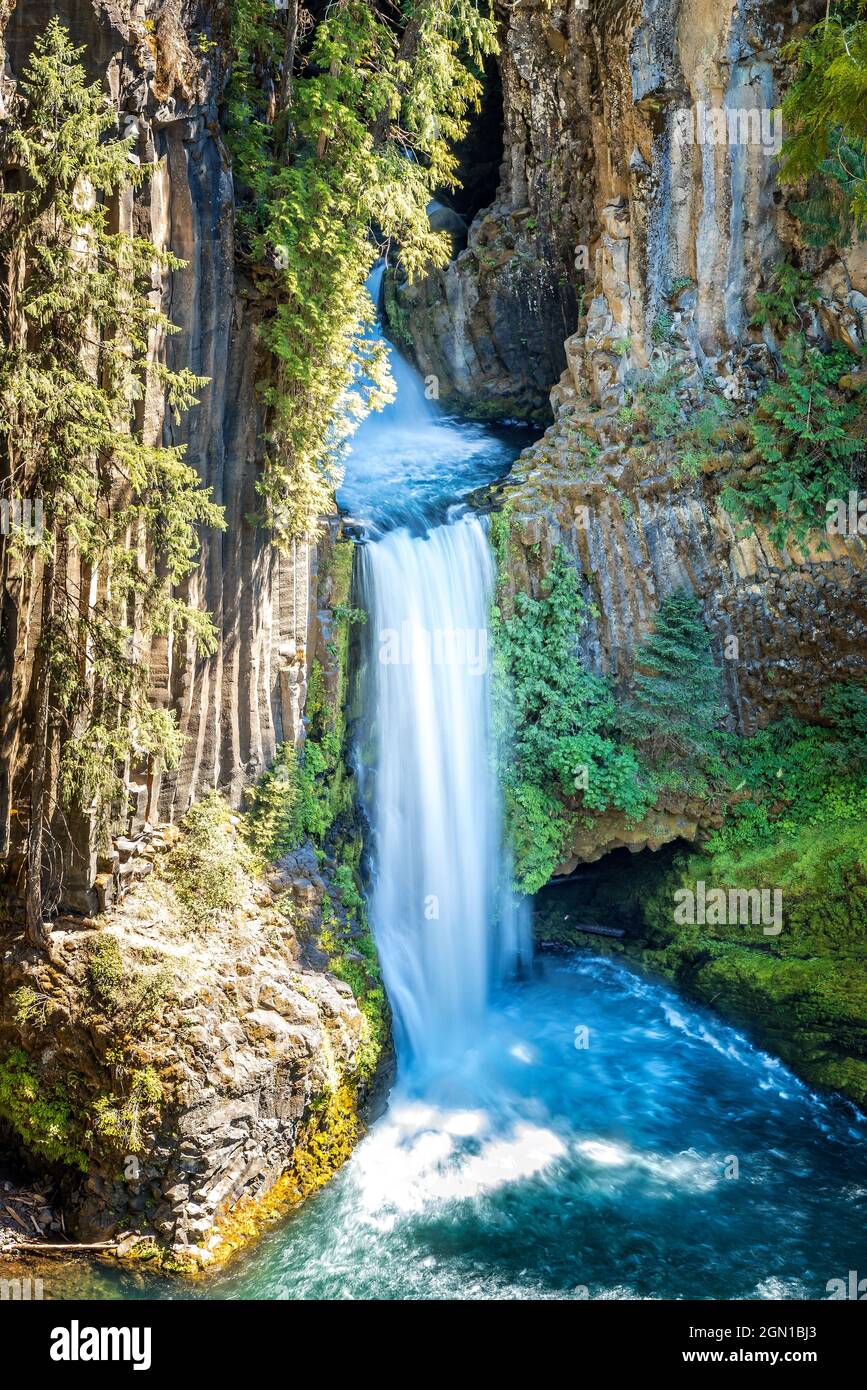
(190, 1064)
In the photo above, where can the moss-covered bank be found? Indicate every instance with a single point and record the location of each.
(802, 994)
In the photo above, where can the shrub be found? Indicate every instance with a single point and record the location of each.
(556, 723)
(40, 1113)
(118, 1120)
(131, 995)
(808, 434)
(209, 869)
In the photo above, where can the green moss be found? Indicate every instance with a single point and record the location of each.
(797, 824)
(40, 1112)
(803, 993)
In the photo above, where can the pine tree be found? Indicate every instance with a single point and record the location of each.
(826, 110)
(120, 513)
(675, 707)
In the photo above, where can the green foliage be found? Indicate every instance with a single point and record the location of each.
(118, 1121)
(781, 305)
(40, 1113)
(368, 104)
(298, 798)
(706, 433)
(793, 777)
(211, 866)
(846, 706)
(675, 707)
(274, 819)
(808, 433)
(132, 995)
(556, 727)
(74, 368)
(661, 329)
(29, 1005)
(655, 407)
(826, 111)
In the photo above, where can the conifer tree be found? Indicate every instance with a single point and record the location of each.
(825, 109)
(676, 706)
(120, 513)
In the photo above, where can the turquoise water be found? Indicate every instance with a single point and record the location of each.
(534, 1169)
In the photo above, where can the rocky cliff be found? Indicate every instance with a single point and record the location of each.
(665, 227)
(196, 1057)
(164, 68)
(618, 189)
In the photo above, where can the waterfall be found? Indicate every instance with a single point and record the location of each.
(446, 924)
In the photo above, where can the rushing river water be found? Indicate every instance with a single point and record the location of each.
(562, 1130)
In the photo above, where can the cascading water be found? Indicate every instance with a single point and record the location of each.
(445, 927)
(511, 1162)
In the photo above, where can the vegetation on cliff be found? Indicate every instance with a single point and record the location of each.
(119, 512)
(557, 723)
(808, 428)
(568, 748)
(825, 110)
(339, 129)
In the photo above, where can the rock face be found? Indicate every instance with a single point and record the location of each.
(491, 325)
(235, 706)
(205, 1068)
(647, 131)
(784, 622)
(617, 186)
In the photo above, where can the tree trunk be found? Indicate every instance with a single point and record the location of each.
(38, 932)
(408, 49)
(283, 123)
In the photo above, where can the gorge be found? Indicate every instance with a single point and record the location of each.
(378, 892)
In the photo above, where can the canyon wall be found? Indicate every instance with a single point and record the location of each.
(611, 163)
(163, 67)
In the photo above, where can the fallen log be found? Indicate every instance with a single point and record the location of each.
(69, 1248)
(595, 930)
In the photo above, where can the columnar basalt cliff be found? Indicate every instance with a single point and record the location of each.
(669, 227)
(236, 706)
(609, 182)
(198, 1056)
